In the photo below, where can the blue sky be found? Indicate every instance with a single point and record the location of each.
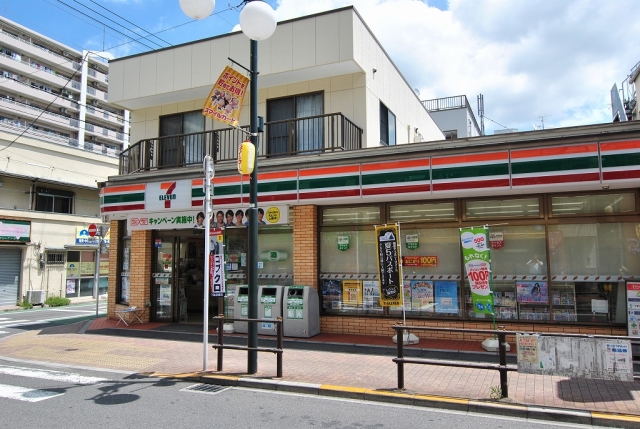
(533, 61)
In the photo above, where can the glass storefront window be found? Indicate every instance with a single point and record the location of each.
(422, 212)
(489, 209)
(350, 215)
(593, 204)
(431, 251)
(275, 251)
(590, 249)
(348, 250)
(518, 250)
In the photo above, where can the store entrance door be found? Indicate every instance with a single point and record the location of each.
(163, 274)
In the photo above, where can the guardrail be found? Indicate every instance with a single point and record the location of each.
(220, 347)
(501, 335)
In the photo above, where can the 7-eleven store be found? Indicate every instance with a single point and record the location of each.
(562, 207)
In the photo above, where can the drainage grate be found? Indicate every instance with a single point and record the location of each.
(205, 388)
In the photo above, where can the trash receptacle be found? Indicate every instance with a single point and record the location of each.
(241, 309)
(269, 307)
(301, 313)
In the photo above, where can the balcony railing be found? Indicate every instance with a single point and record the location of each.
(314, 134)
(455, 102)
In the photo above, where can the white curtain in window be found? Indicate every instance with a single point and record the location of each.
(309, 131)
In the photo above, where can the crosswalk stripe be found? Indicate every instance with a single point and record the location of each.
(13, 321)
(15, 325)
(4, 332)
(65, 377)
(25, 394)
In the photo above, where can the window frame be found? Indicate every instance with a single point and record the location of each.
(385, 129)
(41, 193)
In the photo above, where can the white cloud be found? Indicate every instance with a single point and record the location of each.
(556, 59)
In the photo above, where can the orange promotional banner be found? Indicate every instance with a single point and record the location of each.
(225, 99)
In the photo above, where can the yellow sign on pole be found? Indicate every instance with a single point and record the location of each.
(225, 99)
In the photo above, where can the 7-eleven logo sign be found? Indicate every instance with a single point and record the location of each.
(173, 195)
(168, 196)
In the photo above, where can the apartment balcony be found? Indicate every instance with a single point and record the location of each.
(96, 95)
(41, 52)
(26, 90)
(97, 76)
(105, 116)
(312, 135)
(114, 137)
(10, 107)
(44, 75)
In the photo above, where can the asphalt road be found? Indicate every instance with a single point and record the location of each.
(53, 397)
(16, 321)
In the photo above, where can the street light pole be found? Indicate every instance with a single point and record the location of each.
(258, 22)
(252, 259)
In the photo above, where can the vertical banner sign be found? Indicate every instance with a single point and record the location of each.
(388, 267)
(225, 99)
(477, 262)
(216, 262)
(633, 309)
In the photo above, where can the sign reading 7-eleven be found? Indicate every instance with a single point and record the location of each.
(171, 195)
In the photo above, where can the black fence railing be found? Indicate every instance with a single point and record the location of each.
(220, 346)
(500, 334)
(445, 103)
(314, 134)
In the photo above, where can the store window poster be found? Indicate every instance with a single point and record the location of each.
(331, 293)
(446, 297)
(371, 294)
(422, 295)
(532, 292)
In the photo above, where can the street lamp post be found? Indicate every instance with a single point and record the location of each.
(258, 22)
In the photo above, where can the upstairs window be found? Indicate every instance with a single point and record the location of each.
(387, 126)
(54, 201)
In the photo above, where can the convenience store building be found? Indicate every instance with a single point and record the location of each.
(562, 205)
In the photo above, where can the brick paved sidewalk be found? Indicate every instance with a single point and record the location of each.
(376, 372)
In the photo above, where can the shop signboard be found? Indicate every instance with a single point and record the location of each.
(15, 230)
(633, 309)
(216, 262)
(477, 262)
(388, 266)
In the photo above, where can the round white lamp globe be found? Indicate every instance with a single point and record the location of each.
(197, 9)
(258, 20)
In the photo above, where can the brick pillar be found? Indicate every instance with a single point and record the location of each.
(305, 246)
(140, 270)
(114, 246)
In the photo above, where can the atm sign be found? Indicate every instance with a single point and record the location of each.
(420, 261)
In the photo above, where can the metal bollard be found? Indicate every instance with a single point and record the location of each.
(400, 352)
(502, 349)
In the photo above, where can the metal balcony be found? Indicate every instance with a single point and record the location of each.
(314, 134)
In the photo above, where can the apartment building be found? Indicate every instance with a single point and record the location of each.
(59, 139)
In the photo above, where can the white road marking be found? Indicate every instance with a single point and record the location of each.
(15, 325)
(4, 332)
(44, 374)
(25, 394)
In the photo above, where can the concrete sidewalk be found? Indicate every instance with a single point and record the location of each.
(307, 369)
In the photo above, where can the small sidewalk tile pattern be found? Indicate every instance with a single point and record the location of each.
(370, 371)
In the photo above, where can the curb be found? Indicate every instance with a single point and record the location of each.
(559, 415)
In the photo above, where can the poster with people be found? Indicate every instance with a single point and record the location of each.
(239, 216)
(536, 292)
(371, 295)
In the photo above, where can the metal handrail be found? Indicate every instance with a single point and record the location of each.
(278, 350)
(315, 134)
(500, 333)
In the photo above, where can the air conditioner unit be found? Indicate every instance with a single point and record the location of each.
(94, 102)
(36, 297)
(63, 110)
(93, 138)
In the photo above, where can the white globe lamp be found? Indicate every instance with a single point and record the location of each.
(197, 9)
(258, 20)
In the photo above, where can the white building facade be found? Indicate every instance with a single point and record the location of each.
(59, 139)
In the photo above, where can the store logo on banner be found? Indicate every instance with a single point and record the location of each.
(496, 239)
(343, 242)
(164, 196)
(411, 241)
